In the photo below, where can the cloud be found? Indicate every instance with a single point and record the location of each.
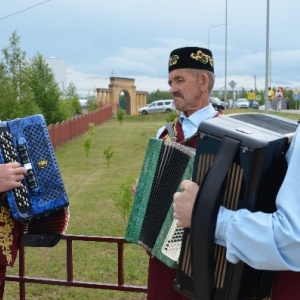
(134, 38)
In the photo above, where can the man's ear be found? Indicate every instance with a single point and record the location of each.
(204, 81)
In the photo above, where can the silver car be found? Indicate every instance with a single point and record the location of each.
(241, 103)
(159, 106)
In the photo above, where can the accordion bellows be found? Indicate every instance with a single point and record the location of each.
(151, 223)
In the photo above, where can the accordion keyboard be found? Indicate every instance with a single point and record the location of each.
(10, 155)
(172, 245)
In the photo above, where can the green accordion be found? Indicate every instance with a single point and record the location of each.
(151, 224)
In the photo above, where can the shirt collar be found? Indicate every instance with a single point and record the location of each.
(200, 115)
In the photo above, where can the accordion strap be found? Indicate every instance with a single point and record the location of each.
(171, 132)
(204, 218)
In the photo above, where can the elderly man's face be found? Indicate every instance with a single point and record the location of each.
(189, 90)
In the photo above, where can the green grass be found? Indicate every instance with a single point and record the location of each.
(90, 185)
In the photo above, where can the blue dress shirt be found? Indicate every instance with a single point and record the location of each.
(267, 241)
(191, 124)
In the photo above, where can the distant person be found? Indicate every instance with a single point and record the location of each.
(278, 99)
(287, 101)
(270, 98)
(251, 98)
(191, 79)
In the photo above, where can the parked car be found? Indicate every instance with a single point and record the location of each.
(217, 103)
(159, 106)
(241, 103)
(255, 105)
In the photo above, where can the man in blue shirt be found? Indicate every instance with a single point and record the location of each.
(261, 240)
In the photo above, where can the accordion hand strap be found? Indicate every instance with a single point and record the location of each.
(204, 218)
(171, 132)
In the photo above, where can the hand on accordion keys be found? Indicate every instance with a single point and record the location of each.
(184, 202)
(11, 175)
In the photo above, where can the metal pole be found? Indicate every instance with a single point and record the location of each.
(208, 35)
(225, 90)
(267, 59)
(270, 67)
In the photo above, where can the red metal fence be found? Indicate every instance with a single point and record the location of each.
(67, 130)
(22, 278)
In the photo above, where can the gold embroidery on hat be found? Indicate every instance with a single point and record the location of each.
(6, 236)
(173, 60)
(202, 57)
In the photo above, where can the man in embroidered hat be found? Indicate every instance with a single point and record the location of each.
(191, 79)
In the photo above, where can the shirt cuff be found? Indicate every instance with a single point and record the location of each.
(223, 220)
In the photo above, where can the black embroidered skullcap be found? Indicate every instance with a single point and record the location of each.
(191, 58)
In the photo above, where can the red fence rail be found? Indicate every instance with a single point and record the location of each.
(22, 278)
(68, 130)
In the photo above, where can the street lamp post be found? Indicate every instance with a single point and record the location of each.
(208, 35)
(267, 59)
(225, 91)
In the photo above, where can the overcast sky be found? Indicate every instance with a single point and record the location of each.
(133, 38)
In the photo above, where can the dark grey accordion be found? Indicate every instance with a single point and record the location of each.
(239, 163)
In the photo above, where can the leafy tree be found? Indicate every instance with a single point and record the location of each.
(158, 95)
(91, 104)
(45, 89)
(88, 140)
(28, 86)
(72, 99)
(16, 96)
(123, 199)
(121, 115)
(108, 154)
(71, 91)
(8, 102)
(122, 101)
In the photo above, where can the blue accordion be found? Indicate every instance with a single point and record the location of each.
(27, 141)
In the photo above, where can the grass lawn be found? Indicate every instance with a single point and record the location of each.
(90, 185)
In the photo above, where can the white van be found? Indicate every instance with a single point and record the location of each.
(159, 106)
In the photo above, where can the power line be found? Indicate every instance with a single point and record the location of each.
(20, 11)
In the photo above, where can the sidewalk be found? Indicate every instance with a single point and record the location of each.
(292, 111)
